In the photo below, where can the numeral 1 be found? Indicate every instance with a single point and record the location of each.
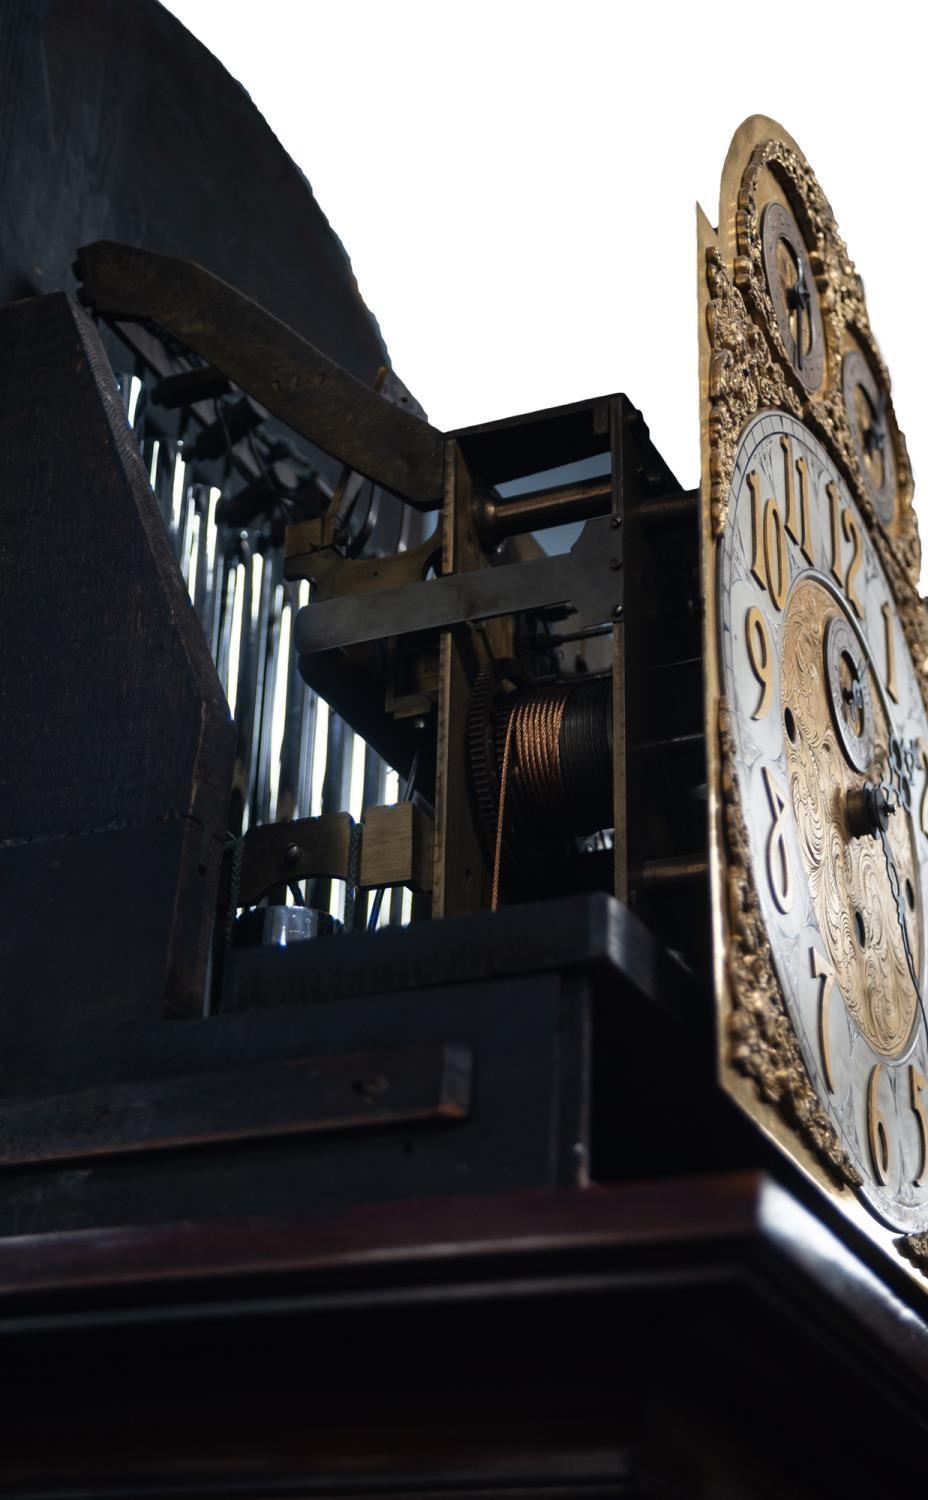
(797, 517)
(821, 969)
(758, 567)
(834, 505)
(803, 472)
(892, 690)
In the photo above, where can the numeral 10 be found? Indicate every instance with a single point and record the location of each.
(769, 530)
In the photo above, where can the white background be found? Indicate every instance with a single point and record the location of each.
(515, 183)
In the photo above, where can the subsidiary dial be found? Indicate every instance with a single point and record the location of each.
(867, 404)
(849, 696)
(792, 288)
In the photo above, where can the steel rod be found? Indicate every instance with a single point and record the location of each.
(498, 518)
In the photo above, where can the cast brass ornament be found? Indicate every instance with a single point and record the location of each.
(915, 1249)
(816, 652)
(743, 378)
(772, 170)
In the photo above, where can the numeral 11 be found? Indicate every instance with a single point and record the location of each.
(797, 514)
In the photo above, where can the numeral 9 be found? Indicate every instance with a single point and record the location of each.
(761, 658)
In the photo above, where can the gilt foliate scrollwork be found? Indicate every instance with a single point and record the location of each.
(743, 301)
(910, 607)
(762, 1043)
(915, 1249)
(789, 358)
(743, 379)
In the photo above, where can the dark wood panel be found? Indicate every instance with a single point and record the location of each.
(116, 729)
(520, 1130)
(688, 1337)
(590, 931)
(294, 1097)
(444, 1234)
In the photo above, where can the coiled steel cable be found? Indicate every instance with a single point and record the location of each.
(531, 777)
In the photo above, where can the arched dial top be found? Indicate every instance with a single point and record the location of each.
(829, 738)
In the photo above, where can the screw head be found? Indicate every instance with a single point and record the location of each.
(615, 522)
(292, 855)
(615, 564)
(618, 612)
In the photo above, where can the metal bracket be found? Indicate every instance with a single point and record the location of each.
(284, 372)
(589, 577)
(395, 849)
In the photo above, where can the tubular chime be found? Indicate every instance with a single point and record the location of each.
(295, 757)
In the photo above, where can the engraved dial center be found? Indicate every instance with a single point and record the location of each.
(838, 764)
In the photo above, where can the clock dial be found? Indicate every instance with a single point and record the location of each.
(829, 736)
(794, 294)
(866, 405)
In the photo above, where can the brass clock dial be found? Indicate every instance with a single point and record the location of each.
(794, 294)
(866, 405)
(816, 643)
(828, 735)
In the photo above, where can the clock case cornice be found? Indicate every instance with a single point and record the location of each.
(746, 368)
